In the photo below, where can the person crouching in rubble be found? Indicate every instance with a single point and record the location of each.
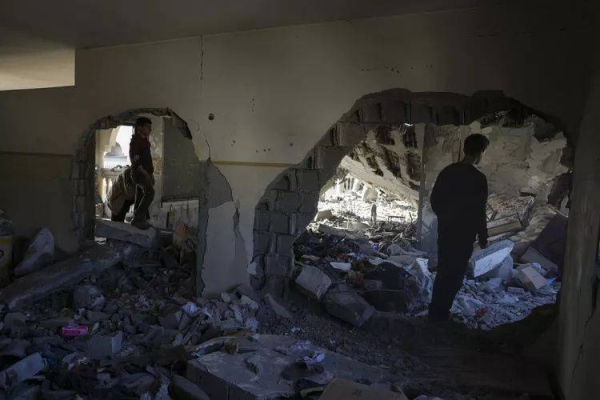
(121, 196)
(142, 170)
(459, 200)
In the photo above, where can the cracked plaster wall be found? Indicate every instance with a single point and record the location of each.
(275, 92)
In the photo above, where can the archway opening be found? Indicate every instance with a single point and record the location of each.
(384, 155)
(103, 155)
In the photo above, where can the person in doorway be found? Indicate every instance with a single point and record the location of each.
(142, 170)
(459, 199)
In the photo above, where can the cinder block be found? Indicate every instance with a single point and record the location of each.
(261, 242)
(277, 265)
(310, 202)
(485, 260)
(279, 223)
(394, 112)
(313, 281)
(285, 245)
(302, 221)
(262, 220)
(371, 111)
(287, 201)
(308, 180)
(349, 135)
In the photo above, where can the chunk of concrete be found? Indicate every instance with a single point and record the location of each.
(503, 271)
(87, 296)
(484, 260)
(64, 274)
(186, 390)
(341, 266)
(530, 279)
(104, 346)
(387, 300)
(323, 215)
(39, 254)
(126, 233)
(14, 319)
(349, 307)
(227, 376)
(22, 370)
(313, 281)
(171, 320)
(534, 256)
(277, 308)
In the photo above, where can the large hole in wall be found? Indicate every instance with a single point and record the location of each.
(104, 154)
(356, 210)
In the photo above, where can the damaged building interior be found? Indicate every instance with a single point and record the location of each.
(235, 200)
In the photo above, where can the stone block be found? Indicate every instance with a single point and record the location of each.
(287, 201)
(280, 223)
(394, 112)
(503, 271)
(39, 253)
(530, 279)
(349, 307)
(309, 203)
(37, 285)
(349, 135)
(387, 300)
(22, 370)
(261, 242)
(277, 265)
(371, 111)
(285, 245)
(262, 220)
(302, 221)
(104, 346)
(313, 281)
(484, 260)
(126, 233)
(308, 180)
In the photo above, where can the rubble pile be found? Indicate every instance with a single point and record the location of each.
(358, 274)
(125, 333)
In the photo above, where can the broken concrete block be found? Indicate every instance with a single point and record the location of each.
(22, 370)
(349, 307)
(186, 390)
(126, 233)
(485, 260)
(277, 308)
(342, 266)
(323, 215)
(313, 281)
(534, 256)
(40, 284)
(171, 320)
(387, 300)
(104, 346)
(14, 319)
(87, 296)
(493, 285)
(530, 279)
(503, 271)
(247, 301)
(39, 254)
(340, 389)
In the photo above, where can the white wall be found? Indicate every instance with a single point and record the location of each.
(275, 92)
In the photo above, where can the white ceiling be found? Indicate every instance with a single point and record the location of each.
(91, 23)
(38, 38)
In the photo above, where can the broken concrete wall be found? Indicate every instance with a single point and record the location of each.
(274, 93)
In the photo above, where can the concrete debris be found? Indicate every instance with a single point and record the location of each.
(183, 389)
(349, 307)
(484, 260)
(38, 285)
(313, 281)
(504, 271)
(39, 254)
(87, 296)
(277, 308)
(530, 279)
(534, 256)
(342, 266)
(323, 215)
(221, 374)
(104, 346)
(22, 370)
(14, 319)
(126, 233)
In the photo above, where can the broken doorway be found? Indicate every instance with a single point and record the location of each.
(399, 142)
